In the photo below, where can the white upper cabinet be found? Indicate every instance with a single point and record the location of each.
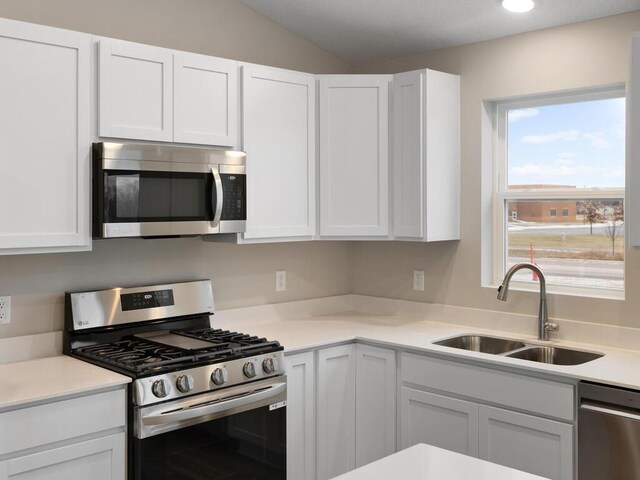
(135, 91)
(279, 138)
(354, 155)
(44, 139)
(155, 94)
(426, 157)
(206, 95)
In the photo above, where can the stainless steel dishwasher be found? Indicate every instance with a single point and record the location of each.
(608, 433)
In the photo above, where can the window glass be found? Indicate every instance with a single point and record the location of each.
(564, 192)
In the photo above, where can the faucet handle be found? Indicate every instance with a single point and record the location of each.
(551, 327)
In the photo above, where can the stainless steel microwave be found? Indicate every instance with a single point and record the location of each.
(144, 190)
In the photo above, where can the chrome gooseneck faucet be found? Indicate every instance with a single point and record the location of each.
(544, 326)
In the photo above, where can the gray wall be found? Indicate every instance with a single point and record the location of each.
(573, 56)
(242, 275)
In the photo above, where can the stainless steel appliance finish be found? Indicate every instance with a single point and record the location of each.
(205, 403)
(103, 308)
(145, 190)
(170, 416)
(608, 433)
(231, 373)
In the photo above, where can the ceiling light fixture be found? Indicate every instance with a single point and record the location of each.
(518, 6)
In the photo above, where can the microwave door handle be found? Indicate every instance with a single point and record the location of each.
(216, 196)
(214, 408)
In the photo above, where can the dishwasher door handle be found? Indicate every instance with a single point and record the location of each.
(610, 411)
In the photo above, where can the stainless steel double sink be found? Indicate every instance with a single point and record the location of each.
(518, 349)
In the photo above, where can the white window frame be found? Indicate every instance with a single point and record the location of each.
(500, 195)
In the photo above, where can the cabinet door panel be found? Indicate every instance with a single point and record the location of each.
(206, 100)
(531, 444)
(336, 411)
(279, 138)
(99, 459)
(44, 138)
(375, 403)
(439, 421)
(135, 91)
(354, 157)
(301, 417)
(408, 155)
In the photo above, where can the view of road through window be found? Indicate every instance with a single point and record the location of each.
(564, 209)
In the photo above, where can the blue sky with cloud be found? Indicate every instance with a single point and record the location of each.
(579, 144)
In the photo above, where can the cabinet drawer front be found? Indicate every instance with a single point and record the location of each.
(34, 426)
(537, 395)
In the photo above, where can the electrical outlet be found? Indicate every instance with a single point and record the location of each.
(281, 281)
(418, 280)
(5, 310)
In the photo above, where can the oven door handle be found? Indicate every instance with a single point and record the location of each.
(235, 401)
(217, 198)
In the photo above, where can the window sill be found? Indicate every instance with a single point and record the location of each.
(603, 293)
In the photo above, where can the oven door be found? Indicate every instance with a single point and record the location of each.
(237, 433)
(145, 199)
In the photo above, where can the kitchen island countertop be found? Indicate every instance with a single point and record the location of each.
(424, 462)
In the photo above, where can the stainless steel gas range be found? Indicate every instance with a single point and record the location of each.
(204, 403)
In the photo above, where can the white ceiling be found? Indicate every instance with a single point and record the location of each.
(365, 30)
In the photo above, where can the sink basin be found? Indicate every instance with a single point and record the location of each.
(554, 355)
(477, 343)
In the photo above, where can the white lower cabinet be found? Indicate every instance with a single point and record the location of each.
(439, 421)
(73, 439)
(336, 411)
(341, 410)
(376, 395)
(301, 416)
(98, 459)
(524, 442)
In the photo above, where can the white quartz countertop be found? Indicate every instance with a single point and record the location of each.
(618, 367)
(49, 378)
(424, 462)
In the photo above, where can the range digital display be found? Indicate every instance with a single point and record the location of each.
(142, 300)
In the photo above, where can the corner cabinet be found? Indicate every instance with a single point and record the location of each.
(156, 94)
(44, 139)
(336, 411)
(354, 156)
(376, 394)
(341, 409)
(426, 156)
(279, 137)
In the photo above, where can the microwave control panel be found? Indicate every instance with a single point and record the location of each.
(234, 206)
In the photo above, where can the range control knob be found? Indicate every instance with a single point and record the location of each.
(160, 388)
(249, 370)
(268, 365)
(219, 376)
(185, 383)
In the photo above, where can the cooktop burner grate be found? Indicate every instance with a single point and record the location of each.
(143, 356)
